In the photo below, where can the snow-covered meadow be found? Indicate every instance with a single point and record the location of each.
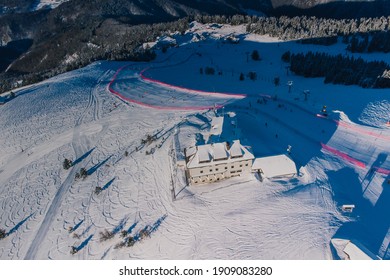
(101, 116)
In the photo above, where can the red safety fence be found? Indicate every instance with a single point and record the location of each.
(201, 92)
(343, 156)
(183, 108)
(362, 130)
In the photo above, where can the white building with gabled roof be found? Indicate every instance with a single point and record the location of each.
(214, 162)
(279, 166)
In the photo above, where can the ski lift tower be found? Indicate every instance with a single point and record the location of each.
(306, 92)
(324, 111)
(289, 149)
(290, 84)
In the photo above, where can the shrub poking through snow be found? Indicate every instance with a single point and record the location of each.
(144, 233)
(3, 234)
(120, 245)
(67, 164)
(130, 241)
(106, 235)
(255, 55)
(83, 173)
(73, 250)
(209, 71)
(98, 190)
(276, 81)
(252, 75)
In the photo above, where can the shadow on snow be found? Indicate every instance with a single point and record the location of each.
(18, 225)
(97, 166)
(372, 219)
(83, 157)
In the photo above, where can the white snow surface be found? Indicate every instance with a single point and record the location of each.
(376, 113)
(343, 159)
(51, 4)
(275, 166)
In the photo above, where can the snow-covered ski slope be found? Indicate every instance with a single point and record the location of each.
(47, 4)
(96, 114)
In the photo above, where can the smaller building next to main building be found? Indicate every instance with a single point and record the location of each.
(279, 166)
(214, 162)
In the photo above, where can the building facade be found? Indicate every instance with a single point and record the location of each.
(215, 162)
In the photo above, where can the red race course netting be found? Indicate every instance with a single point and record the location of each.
(362, 130)
(208, 93)
(185, 108)
(382, 170)
(343, 156)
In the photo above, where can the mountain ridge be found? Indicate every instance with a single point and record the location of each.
(67, 32)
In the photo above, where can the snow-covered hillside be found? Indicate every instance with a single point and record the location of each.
(128, 123)
(45, 4)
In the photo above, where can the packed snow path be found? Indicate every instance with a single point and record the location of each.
(80, 147)
(75, 116)
(134, 86)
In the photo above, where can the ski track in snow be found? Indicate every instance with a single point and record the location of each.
(239, 218)
(80, 147)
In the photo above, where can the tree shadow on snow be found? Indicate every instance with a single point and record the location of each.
(130, 229)
(18, 225)
(106, 186)
(77, 226)
(83, 157)
(120, 226)
(97, 166)
(157, 224)
(84, 243)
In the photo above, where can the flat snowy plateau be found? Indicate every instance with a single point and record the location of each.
(100, 117)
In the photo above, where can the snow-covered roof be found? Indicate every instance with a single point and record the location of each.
(204, 154)
(352, 250)
(207, 154)
(235, 149)
(275, 166)
(190, 151)
(356, 251)
(220, 152)
(216, 126)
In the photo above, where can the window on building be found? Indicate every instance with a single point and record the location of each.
(240, 165)
(246, 164)
(232, 166)
(216, 169)
(211, 170)
(225, 167)
(201, 171)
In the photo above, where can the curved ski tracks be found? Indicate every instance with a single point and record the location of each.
(80, 147)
